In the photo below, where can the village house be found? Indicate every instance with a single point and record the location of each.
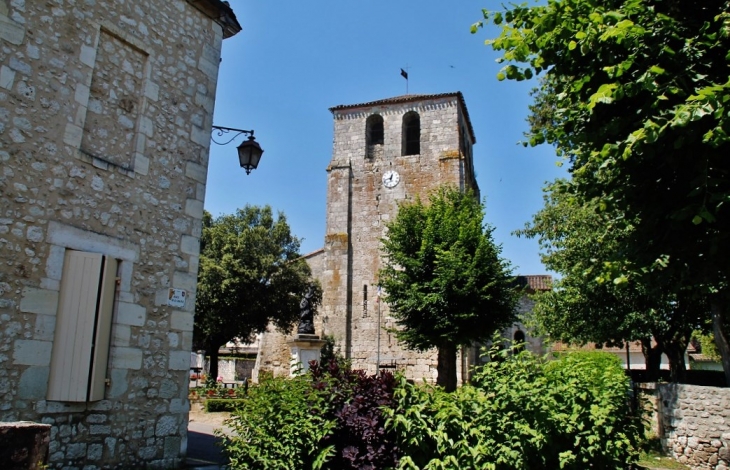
(105, 117)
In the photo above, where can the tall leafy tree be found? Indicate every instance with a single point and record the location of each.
(444, 280)
(641, 95)
(581, 308)
(251, 274)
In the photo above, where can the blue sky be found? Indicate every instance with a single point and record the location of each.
(294, 60)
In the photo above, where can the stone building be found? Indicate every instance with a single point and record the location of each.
(385, 152)
(105, 117)
(518, 332)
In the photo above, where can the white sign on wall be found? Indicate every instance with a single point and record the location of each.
(176, 298)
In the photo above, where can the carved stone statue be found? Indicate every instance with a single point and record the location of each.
(306, 314)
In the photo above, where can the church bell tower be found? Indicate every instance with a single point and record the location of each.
(385, 152)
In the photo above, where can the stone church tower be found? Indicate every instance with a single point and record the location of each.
(385, 152)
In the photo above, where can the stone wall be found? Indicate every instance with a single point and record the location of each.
(105, 117)
(274, 353)
(694, 424)
(233, 369)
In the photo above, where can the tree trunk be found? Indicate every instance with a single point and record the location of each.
(652, 358)
(721, 337)
(674, 345)
(675, 338)
(213, 353)
(677, 366)
(447, 367)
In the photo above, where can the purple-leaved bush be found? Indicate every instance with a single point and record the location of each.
(360, 439)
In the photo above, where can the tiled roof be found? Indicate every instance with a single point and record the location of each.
(697, 357)
(411, 98)
(634, 346)
(313, 253)
(535, 282)
(558, 346)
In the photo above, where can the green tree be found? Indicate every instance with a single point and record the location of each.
(581, 308)
(705, 344)
(444, 280)
(640, 92)
(250, 275)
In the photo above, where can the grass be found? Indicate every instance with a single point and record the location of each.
(655, 461)
(653, 458)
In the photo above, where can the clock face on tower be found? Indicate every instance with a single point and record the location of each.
(391, 178)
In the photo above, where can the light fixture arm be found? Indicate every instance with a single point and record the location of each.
(249, 152)
(225, 130)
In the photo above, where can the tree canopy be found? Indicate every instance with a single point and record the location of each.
(639, 91)
(444, 280)
(574, 240)
(251, 274)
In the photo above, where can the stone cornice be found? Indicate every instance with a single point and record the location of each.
(416, 100)
(221, 12)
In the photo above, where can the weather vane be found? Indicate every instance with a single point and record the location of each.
(404, 74)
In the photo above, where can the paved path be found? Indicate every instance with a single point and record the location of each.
(204, 453)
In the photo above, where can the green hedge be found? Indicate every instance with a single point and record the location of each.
(223, 404)
(522, 413)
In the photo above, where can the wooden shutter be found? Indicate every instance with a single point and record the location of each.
(105, 310)
(83, 327)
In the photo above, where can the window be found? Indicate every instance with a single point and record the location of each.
(374, 126)
(83, 327)
(411, 134)
(374, 134)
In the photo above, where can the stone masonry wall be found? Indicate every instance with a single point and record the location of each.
(105, 112)
(274, 354)
(532, 343)
(694, 424)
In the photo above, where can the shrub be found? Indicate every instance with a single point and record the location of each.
(330, 418)
(222, 404)
(331, 352)
(280, 426)
(471, 428)
(592, 411)
(355, 400)
(521, 413)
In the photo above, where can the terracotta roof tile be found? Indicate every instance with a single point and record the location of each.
(634, 346)
(697, 357)
(535, 282)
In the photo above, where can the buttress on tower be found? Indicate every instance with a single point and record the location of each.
(384, 152)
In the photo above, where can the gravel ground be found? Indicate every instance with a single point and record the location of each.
(212, 419)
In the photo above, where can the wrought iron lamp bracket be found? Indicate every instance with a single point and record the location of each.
(221, 131)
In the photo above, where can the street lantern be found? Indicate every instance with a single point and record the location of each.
(249, 152)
